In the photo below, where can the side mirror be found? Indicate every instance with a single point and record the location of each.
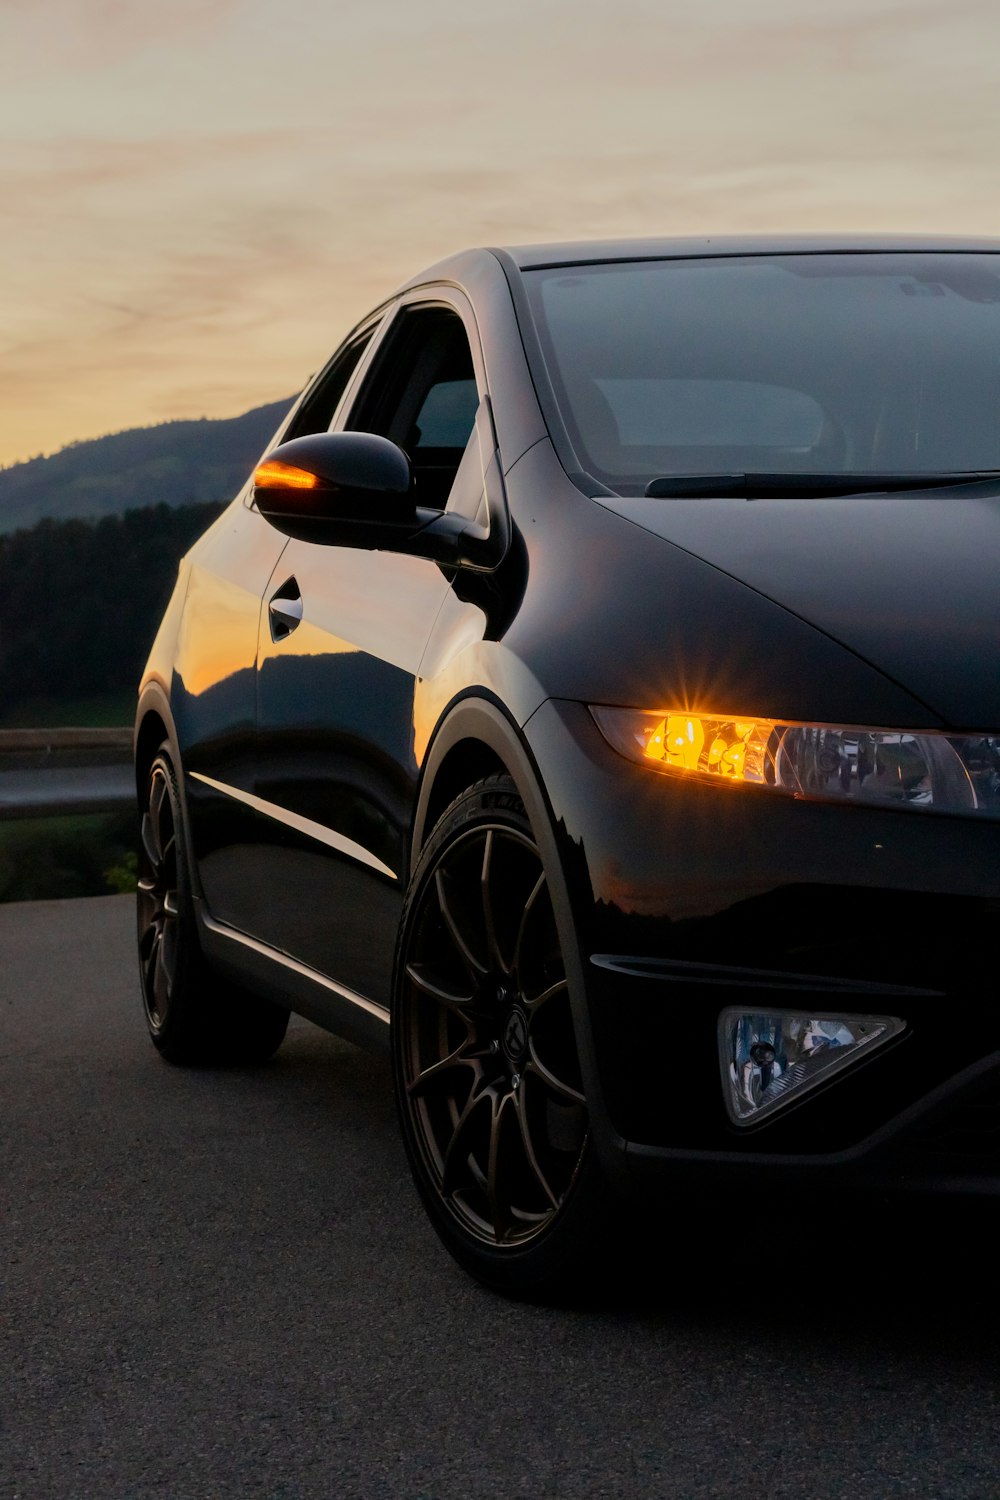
(348, 489)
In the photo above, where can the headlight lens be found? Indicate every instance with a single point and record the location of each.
(890, 768)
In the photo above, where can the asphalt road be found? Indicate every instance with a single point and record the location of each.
(218, 1284)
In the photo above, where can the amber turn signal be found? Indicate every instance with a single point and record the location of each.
(274, 475)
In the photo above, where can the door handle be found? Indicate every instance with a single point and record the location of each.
(285, 610)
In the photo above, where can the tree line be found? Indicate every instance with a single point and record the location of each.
(80, 601)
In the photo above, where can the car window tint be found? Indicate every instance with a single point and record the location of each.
(821, 363)
(681, 412)
(421, 394)
(446, 417)
(316, 412)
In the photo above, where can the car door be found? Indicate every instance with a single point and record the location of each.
(214, 692)
(341, 640)
(214, 700)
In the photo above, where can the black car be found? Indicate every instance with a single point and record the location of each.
(594, 697)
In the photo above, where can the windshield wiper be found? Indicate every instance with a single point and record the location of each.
(758, 486)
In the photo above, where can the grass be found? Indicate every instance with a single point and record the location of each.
(105, 710)
(79, 855)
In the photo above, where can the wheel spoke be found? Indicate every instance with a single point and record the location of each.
(168, 952)
(456, 1171)
(529, 907)
(150, 935)
(157, 792)
(535, 1066)
(489, 915)
(500, 1206)
(428, 984)
(431, 1077)
(157, 800)
(535, 1004)
(154, 973)
(148, 944)
(465, 953)
(530, 1154)
(149, 843)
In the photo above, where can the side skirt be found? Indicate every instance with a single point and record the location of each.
(276, 976)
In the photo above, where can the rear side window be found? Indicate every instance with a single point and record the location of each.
(317, 410)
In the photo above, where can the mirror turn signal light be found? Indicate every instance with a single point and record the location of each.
(274, 475)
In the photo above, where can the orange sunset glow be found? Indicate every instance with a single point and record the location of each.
(199, 199)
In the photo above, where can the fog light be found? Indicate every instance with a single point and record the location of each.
(773, 1059)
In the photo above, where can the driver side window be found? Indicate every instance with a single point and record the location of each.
(422, 395)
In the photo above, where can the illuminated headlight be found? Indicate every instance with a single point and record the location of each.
(773, 1059)
(888, 767)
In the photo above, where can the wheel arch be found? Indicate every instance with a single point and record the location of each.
(150, 732)
(154, 724)
(465, 763)
(474, 739)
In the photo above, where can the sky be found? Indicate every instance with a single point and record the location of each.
(200, 198)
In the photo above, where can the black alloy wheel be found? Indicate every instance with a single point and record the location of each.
(486, 1067)
(193, 1015)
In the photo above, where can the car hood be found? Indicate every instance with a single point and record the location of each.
(911, 583)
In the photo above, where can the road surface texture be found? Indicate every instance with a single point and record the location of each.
(218, 1284)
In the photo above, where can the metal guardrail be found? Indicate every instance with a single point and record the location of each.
(51, 772)
(61, 741)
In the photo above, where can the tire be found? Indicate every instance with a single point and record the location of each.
(485, 1062)
(193, 1015)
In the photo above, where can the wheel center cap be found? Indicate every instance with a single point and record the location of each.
(515, 1034)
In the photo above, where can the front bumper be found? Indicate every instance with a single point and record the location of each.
(686, 899)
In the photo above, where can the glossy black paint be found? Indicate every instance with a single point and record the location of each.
(743, 898)
(363, 499)
(204, 661)
(412, 673)
(335, 745)
(907, 581)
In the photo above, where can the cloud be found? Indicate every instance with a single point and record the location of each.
(74, 34)
(60, 170)
(202, 197)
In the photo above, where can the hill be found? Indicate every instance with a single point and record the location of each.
(173, 463)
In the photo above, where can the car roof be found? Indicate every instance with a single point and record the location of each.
(527, 257)
(592, 252)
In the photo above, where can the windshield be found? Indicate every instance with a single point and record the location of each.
(797, 364)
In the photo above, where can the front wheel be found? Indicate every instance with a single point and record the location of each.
(485, 1062)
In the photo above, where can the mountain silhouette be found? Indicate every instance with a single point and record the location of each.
(172, 463)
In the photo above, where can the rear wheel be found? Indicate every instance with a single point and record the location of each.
(193, 1015)
(486, 1068)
